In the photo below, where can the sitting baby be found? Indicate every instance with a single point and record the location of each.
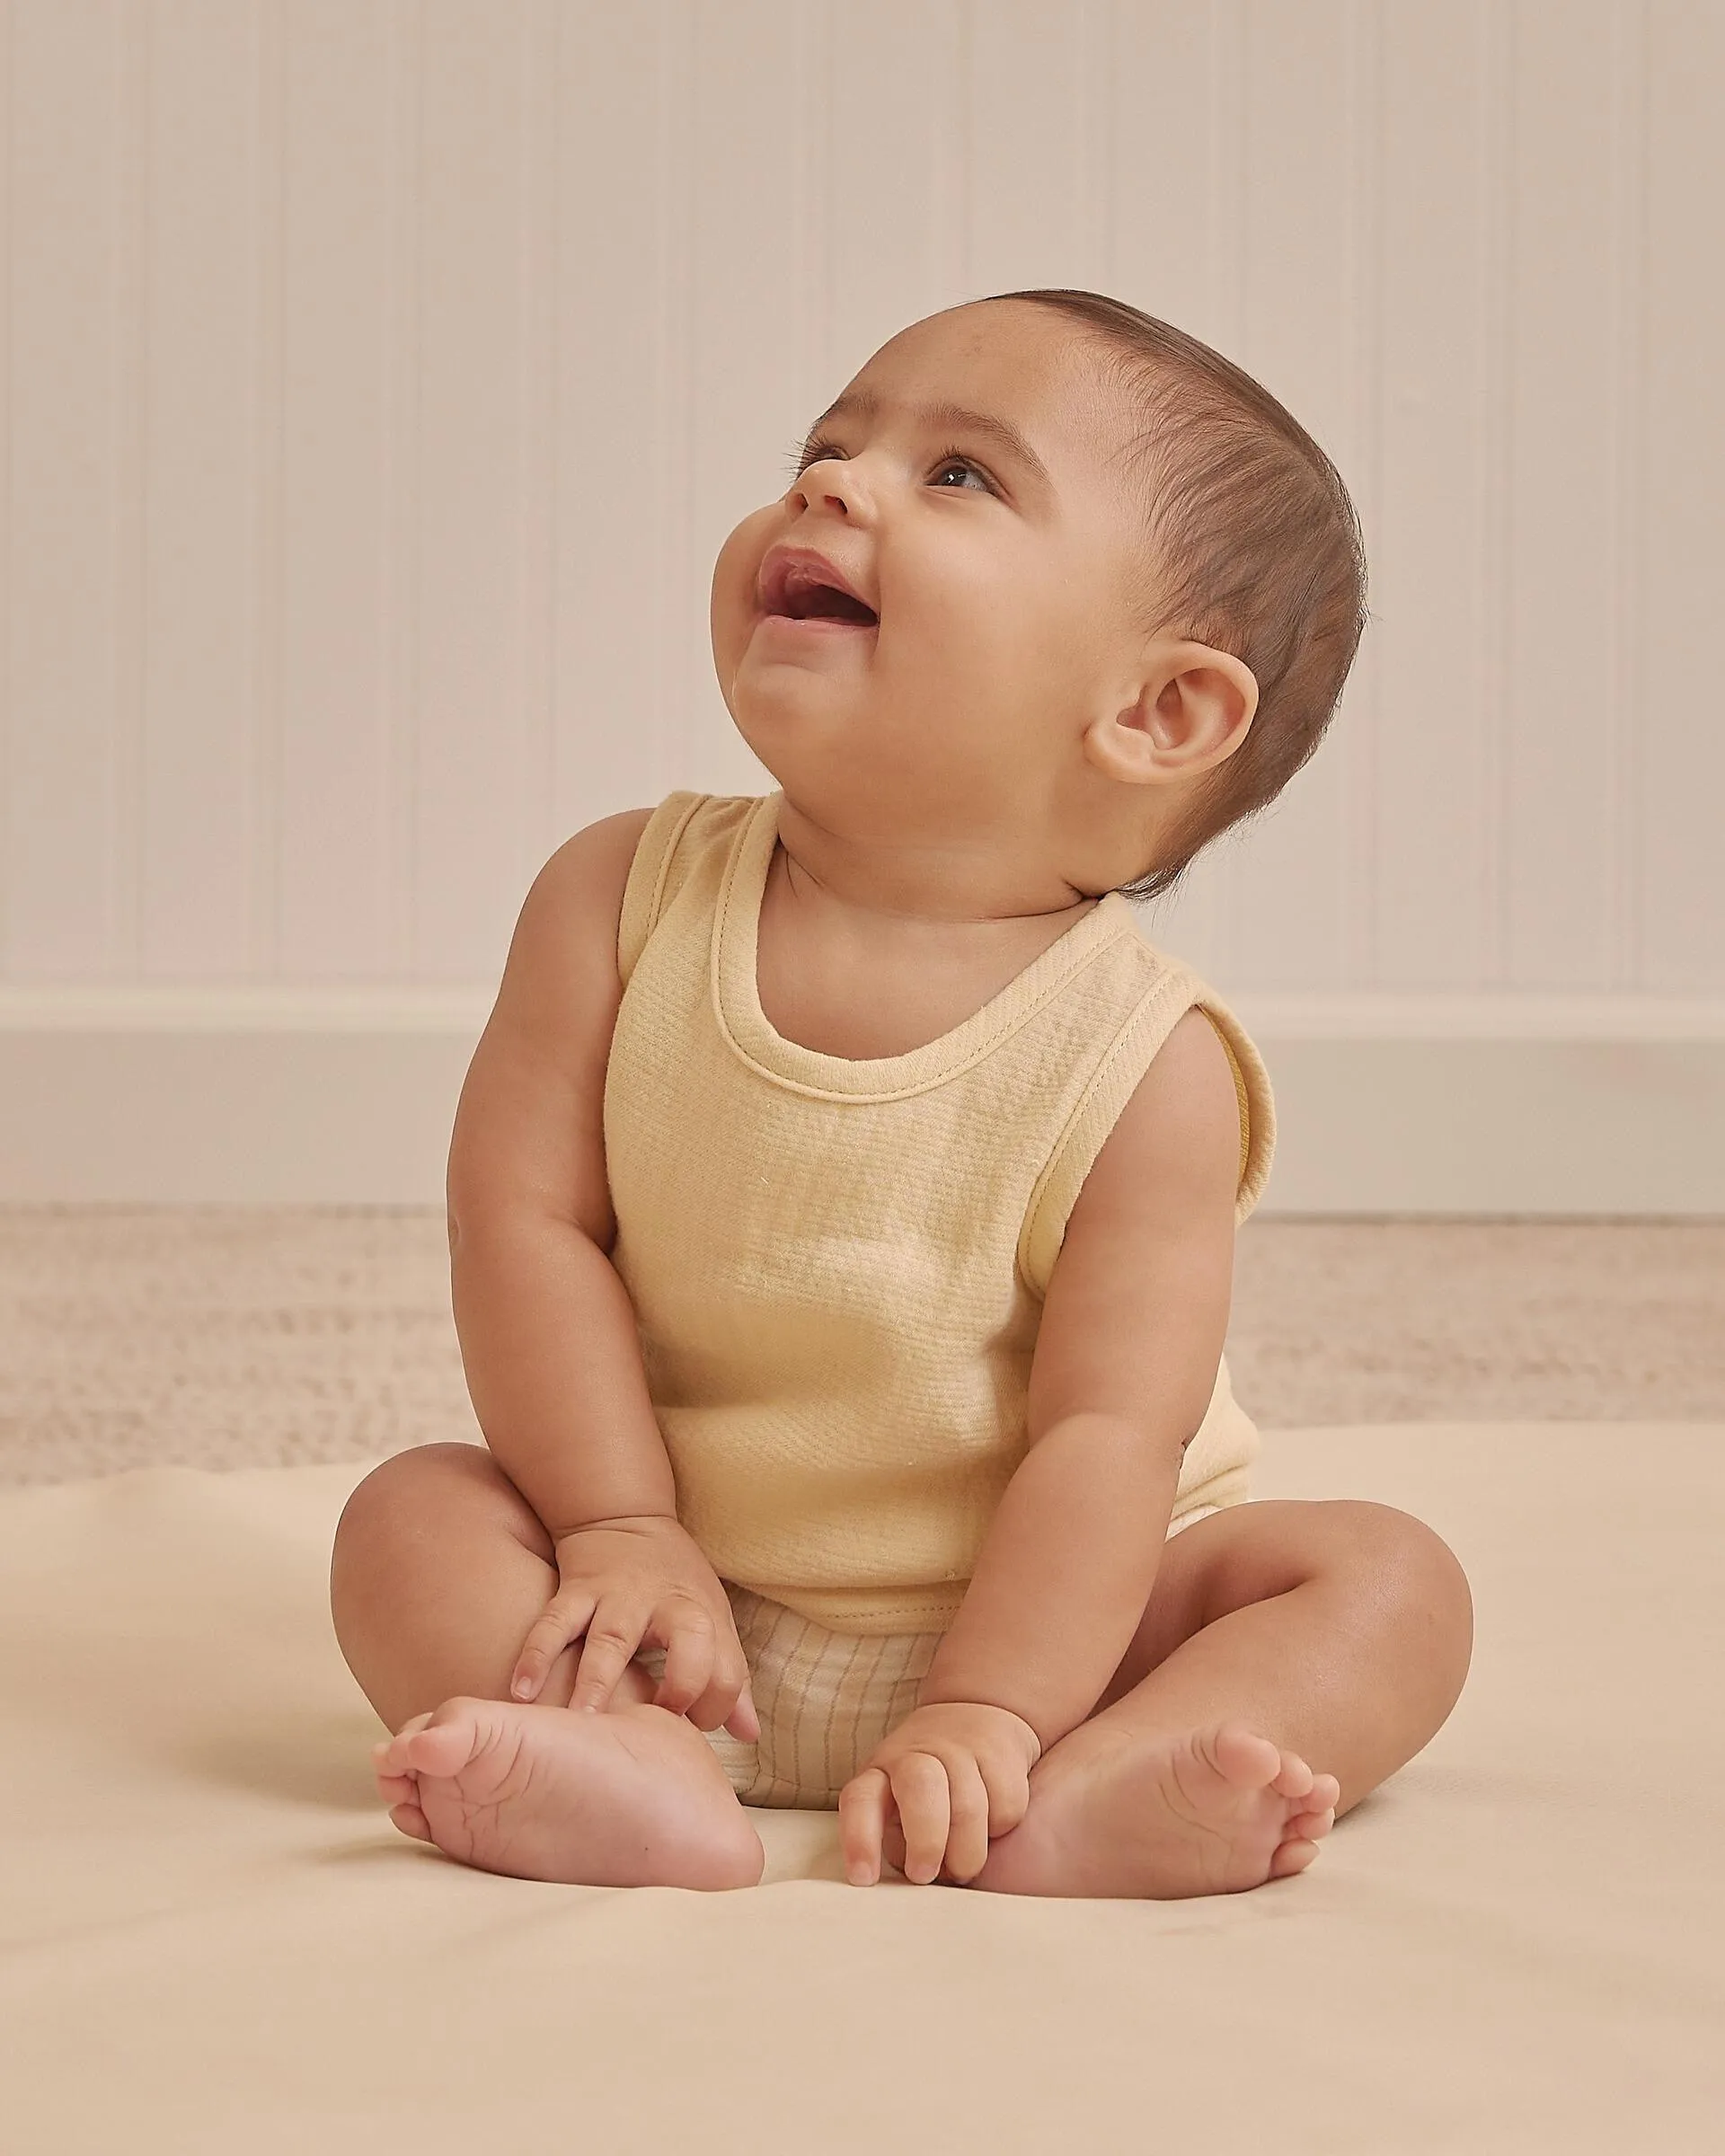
(842, 1197)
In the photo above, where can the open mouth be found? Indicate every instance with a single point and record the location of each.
(803, 588)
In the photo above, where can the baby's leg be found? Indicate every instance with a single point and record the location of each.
(1292, 1656)
(440, 1567)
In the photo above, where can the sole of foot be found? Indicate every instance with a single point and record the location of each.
(1214, 1811)
(632, 1797)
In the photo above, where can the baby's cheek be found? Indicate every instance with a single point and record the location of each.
(735, 572)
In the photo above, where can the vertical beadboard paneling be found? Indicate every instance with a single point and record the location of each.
(622, 408)
(382, 377)
(199, 763)
(1677, 740)
(887, 145)
(334, 765)
(1628, 318)
(1175, 240)
(1028, 125)
(758, 74)
(5, 454)
(268, 491)
(1288, 899)
(538, 537)
(1172, 226)
(62, 912)
(469, 710)
(1561, 662)
(1354, 739)
(1428, 603)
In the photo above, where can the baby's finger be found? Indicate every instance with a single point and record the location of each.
(861, 1819)
(607, 1652)
(744, 1720)
(919, 1789)
(1008, 1791)
(688, 1675)
(967, 1841)
(728, 1695)
(561, 1621)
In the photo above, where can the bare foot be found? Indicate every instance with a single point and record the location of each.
(1214, 1811)
(632, 1797)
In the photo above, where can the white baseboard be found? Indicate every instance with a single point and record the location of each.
(1543, 1106)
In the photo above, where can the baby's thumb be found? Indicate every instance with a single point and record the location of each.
(743, 1723)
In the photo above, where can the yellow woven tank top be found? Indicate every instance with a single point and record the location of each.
(837, 1267)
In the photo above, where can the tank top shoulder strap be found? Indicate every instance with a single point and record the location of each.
(654, 874)
(1174, 990)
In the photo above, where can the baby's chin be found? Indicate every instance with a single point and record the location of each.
(775, 691)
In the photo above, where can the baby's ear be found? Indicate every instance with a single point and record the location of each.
(1194, 708)
(1201, 704)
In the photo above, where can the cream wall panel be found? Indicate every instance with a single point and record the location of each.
(893, 135)
(1434, 597)
(1177, 249)
(471, 146)
(1033, 135)
(1674, 767)
(622, 573)
(756, 240)
(68, 881)
(205, 814)
(1293, 897)
(342, 729)
(381, 378)
(1560, 737)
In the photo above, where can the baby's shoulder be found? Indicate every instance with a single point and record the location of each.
(686, 829)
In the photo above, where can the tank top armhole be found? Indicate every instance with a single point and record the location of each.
(643, 893)
(1129, 1057)
(1257, 1104)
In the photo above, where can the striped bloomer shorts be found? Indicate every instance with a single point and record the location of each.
(824, 1700)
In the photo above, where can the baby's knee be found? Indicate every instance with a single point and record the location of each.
(415, 1493)
(1397, 1542)
(1415, 1573)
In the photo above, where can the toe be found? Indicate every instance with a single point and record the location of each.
(1292, 1857)
(412, 1821)
(398, 1789)
(389, 1756)
(1295, 1779)
(443, 1751)
(1242, 1756)
(1313, 1826)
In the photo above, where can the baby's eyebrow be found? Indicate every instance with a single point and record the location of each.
(861, 405)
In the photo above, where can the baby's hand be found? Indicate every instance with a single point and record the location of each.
(959, 1773)
(621, 1582)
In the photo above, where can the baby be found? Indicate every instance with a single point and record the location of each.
(842, 1195)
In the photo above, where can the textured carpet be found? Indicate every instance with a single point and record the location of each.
(256, 1336)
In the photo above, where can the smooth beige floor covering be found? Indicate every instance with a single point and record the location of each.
(214, 1941)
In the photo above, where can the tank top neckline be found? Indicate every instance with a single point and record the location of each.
(735, 986)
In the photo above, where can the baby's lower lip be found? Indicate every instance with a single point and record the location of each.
(819, 622)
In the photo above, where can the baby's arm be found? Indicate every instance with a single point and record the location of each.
(547, 1329)
(1125, 1361)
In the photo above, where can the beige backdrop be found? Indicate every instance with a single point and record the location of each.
(380, 377)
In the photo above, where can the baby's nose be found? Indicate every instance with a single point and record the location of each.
(817, 496)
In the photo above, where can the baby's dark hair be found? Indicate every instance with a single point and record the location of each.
(1258, 552)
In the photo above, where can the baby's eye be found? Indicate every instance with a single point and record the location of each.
(941, 475)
